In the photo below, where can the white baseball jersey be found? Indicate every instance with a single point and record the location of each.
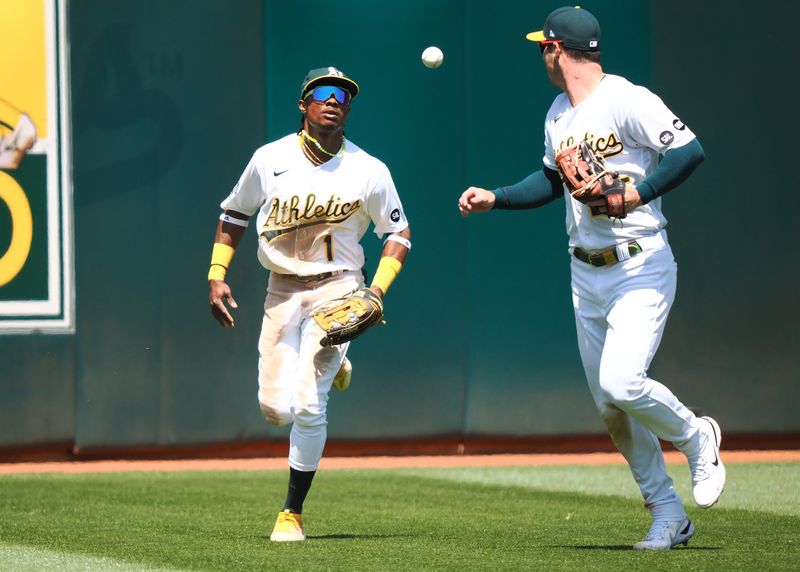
(311, 218)
(630, 127)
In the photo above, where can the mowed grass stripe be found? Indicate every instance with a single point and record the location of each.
(367, 520)
(29, 559)
(765, 487)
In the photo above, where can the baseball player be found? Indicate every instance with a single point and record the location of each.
(315, 193)
(623, 271)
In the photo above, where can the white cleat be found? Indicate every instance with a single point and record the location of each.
(342, 379)
(708, 472)
(664, 534)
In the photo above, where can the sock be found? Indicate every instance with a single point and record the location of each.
(299, 483)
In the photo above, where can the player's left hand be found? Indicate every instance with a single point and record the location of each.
(632, 201)
(346, 318)
(219, 294)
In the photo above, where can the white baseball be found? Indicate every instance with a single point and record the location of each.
(432, 57)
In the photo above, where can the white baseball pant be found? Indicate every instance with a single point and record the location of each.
(620, 314)
(295, 372)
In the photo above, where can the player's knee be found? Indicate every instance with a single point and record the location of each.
(309, 418)
(274, 412)
(612, 416)
(620, 388)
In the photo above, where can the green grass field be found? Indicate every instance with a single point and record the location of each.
(521, 518)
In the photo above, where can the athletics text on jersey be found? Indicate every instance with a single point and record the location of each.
(631, 128)
(311, 218)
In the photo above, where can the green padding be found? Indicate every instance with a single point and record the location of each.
(169, 101)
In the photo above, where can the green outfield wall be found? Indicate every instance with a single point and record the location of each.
(170, 99)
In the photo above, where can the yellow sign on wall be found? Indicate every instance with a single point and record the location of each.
(36, 259)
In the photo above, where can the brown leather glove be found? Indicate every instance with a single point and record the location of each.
(587, 178)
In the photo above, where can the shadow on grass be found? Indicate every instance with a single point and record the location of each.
(353, 536)
(627, 547)
(345, 536)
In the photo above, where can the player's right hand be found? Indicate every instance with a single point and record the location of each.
(219, 294)
(475, 200)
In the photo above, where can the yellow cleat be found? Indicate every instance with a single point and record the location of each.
(342, 379)
(288, 527)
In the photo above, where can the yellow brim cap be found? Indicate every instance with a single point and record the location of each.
(536, 36)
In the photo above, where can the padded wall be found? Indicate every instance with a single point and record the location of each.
(169, 100)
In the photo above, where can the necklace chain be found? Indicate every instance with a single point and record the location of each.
(305, 137)
(316, 161)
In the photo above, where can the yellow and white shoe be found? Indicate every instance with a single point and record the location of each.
(288, 527)
(342, 379)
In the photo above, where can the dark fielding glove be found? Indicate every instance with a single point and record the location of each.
(346, 318)
(587, 178)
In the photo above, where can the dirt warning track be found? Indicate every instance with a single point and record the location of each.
(332, 463)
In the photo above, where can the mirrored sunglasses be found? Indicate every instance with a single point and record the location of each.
(324, 92)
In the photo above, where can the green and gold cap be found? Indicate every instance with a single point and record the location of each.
(575, 27)
(328, 76)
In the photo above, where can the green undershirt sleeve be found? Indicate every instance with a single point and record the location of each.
(535, 190)
(676, 165)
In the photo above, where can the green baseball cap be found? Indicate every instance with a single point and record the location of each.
(575, 27)
(328, 76)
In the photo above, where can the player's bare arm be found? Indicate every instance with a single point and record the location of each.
(397, 247)
(475, 200)
(225, 242)
(394, 248)
(632, 198)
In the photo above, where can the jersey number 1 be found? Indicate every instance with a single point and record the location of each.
(328, 247)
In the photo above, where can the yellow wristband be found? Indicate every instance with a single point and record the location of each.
(221, 258)
(387, 271)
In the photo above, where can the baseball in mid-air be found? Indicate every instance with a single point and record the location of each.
(432, 57)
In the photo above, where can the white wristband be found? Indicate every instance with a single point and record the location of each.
(399, 239)
(237, 221)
